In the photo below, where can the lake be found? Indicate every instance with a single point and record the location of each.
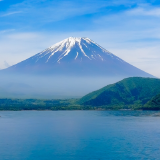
(79, 135)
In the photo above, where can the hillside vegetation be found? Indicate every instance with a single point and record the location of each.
(130, 91)
(154, 103)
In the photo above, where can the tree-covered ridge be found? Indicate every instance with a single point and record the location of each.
(154, 103)
(35, 104)
(135, 90)
(130, 93)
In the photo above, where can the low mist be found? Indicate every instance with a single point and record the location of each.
(50, 87)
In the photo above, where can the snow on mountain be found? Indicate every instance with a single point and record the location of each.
(80, 48)
(77, 56)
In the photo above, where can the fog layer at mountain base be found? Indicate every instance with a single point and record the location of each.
(50, 87)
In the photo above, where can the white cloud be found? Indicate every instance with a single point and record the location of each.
(58, 10)
(7, 30)
(10, 13)
(145, 11)
(53, 10)
(23, 36)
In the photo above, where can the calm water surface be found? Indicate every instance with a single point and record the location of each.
(79, 135)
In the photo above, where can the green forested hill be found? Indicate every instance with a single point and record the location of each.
(130, 91)
(154, 103)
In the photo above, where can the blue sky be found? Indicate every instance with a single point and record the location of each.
(129, 29)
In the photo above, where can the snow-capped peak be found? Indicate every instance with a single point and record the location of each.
(71, 41)
(75, 48)
(77, 57)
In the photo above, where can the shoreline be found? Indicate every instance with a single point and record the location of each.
(85, 110)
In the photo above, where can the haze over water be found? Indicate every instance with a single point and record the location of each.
(77, 135)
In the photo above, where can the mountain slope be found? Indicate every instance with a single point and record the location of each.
(77, 56)
(154, 103)
(70, 68)
(134, 90)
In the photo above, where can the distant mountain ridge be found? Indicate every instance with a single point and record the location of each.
(77, 57)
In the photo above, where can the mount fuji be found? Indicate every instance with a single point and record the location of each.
(77, 57)
(68, 69)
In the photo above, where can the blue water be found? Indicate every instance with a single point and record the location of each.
(79, 135)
